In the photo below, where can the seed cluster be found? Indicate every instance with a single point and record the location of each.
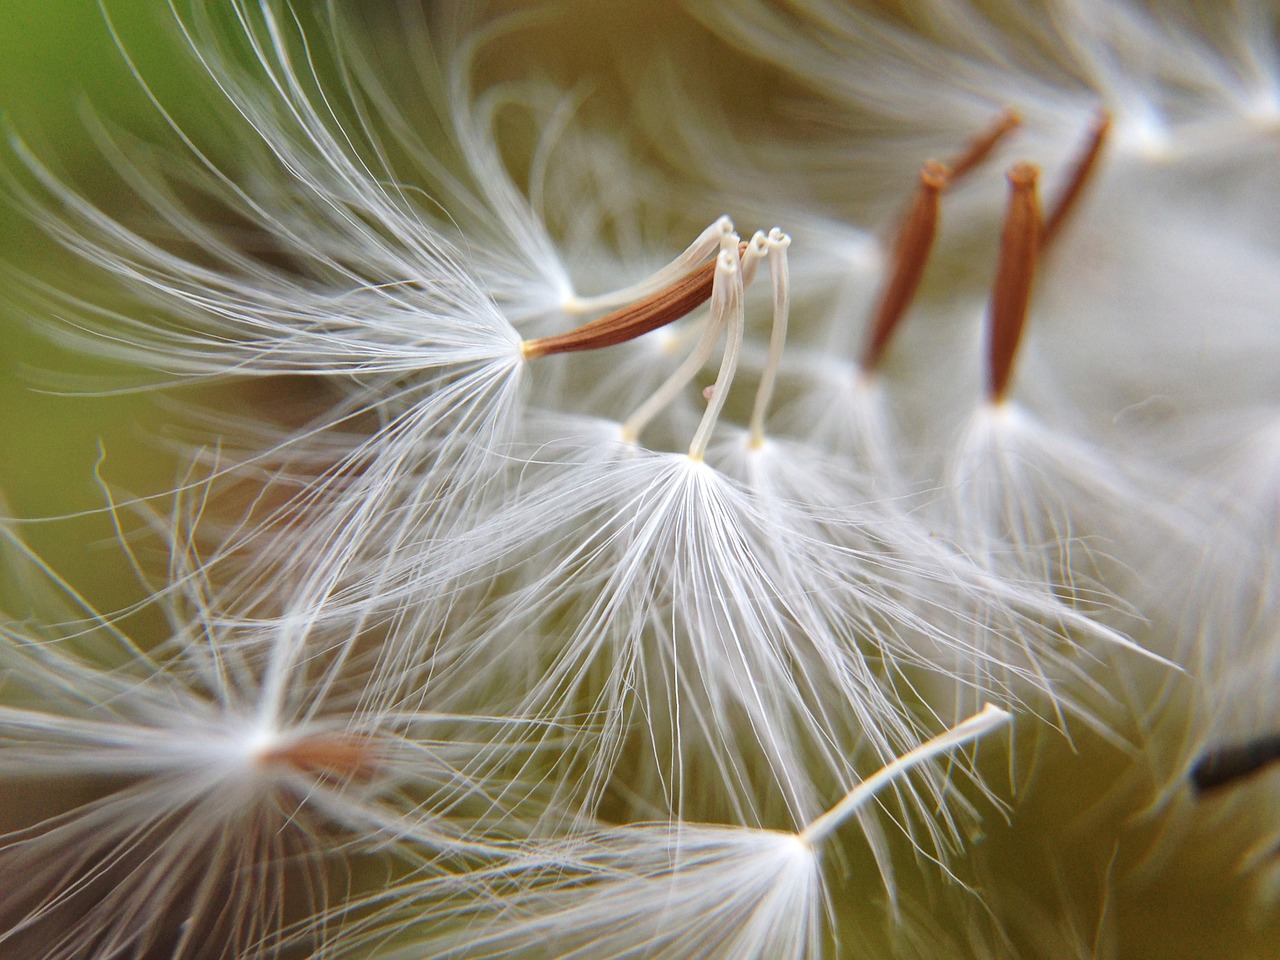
(608, 603)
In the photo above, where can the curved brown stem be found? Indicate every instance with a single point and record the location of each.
(636, 319)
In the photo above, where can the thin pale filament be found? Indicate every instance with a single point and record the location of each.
(703, 248)
(1015, 275)
(979, 725)
(683, 374)
(674, 384)
(781, 281)
(731, 316)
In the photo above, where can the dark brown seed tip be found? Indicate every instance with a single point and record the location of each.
(1226, 765)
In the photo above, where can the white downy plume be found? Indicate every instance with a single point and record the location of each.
(692, 625)
(659, 891)
(653, 599)
(224, 776)
(373, 298)
(1053, 521)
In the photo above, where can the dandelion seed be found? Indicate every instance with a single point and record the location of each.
(646, 890)
(233, 769)
(1032, 504)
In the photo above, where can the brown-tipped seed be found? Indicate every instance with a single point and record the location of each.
(1015, 274)
(910, 255)
(329, 758)
(1081, 173)
(626, 323)
(980, 147)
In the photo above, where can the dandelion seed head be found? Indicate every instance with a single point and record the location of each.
(598, 609)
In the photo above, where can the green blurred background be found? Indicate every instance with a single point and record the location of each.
(59, 62)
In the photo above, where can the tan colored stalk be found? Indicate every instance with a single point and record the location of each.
(634, 320)
(1082, 171)
(1015, 275)
(910, 255)
(980, 147)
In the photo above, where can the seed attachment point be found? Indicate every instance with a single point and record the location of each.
(325, 757)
